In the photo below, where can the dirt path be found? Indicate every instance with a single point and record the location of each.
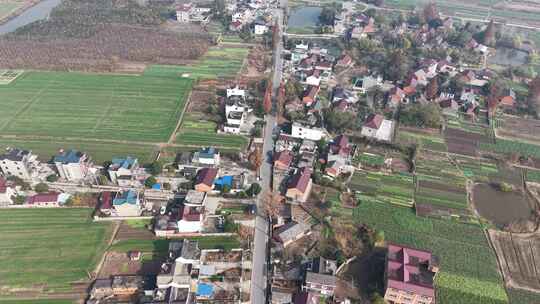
(109, 243)
(179, 123)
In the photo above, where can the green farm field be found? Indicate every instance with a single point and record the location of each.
(99, 151)
(217, 62)
(92, 106)
(197, 132)
(469, 271)
(49, 248)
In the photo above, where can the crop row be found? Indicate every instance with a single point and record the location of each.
(393, 189)
(468, 272)
(512, 147)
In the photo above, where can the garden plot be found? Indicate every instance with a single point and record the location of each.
(216, 63)
(426, 139)
(518, 128)
(397, 189)
(469, 271)
(463, 142)
(441, 186)
(518, 256)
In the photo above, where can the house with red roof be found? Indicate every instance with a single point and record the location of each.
(409, 276)
(105, 202)
(49, 199)
(283, 160)
(190, 219)
(204, 182)
(299, 185)
(376, 127)
(310, 94)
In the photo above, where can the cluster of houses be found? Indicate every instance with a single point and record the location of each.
(236, 111)
(187, 275)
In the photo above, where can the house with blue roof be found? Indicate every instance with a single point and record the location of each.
(72, 165)
(208, 156)
(122, 170)
(127, 203)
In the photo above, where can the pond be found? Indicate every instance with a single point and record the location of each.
(304, 17)
(37, 12)
(500, 207)
(508, 56)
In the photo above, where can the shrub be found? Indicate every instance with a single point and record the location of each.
(150, 181)
(41, 188)
(52, 178)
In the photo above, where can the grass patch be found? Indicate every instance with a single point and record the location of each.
(161, 246)
(49, 247)
(139, 223)
(63, 105)
(217, 62)
(99, 151)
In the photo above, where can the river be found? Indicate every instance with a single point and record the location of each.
(37, 12)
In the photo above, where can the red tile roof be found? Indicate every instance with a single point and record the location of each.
(106, 200)
(189, 214)
(300, 180)
(43, 198)
(206, 176)
(284, 157)
(374, 121)
(407, 270)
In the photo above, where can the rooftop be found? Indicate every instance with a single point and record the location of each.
(206, 176)
(14, 154)
(408, 269)
(125, 163)
(69, 157)
(126, 197)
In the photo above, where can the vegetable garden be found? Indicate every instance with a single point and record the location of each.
(394, 189)
(469, 271)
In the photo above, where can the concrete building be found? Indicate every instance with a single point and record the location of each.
(299, 186)
(206, 157)
(410, 274)
(72, 165)
(19, 163)
(127, 203)
(122, 170)
(300, 131)
(378, 128)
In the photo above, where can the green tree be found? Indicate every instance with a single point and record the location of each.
(19, 199)
(423, 116)
(337, 122)
(245, 33)
(52, 178)
(328, 14)
(166, 186)
(150, 181)
(254, 189)
(41, 188)
(225, 189)
(155, 168)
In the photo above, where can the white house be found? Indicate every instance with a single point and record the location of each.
(378, 128)
(236, 91)
(300, 131)
(235, 115)
(122, 170)
(72, 165)
(127, 203)
(188, 12)
(190, 219)
(19, 163)
(207, 156)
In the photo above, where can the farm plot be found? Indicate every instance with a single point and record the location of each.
(48, 249)
(468, 272)
(504, 146)
(517, 254)
(216, 63)
(427, 140)
(440, 189)
(196, 131)
(518, 128)
(518, 296)
(75, 106)
(397, 189)
(464, 142)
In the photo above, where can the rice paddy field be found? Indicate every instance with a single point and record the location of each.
(47, 249)
(216, 63)
(197, 132)
(396, 189)
(469, 271)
